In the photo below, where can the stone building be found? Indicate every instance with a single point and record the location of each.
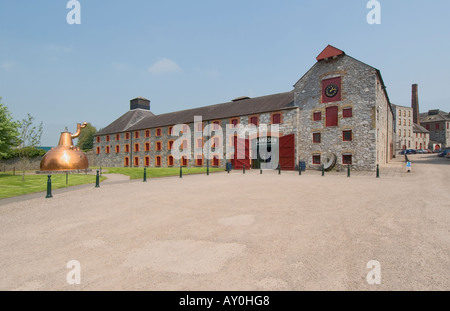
(409, 135)
(337, 114)
(437, 122)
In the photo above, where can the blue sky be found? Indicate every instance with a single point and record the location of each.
(185, 54)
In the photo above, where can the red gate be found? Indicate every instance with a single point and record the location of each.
(287, 152)
(241, 153)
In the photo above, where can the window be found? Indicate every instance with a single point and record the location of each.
(170, 161)
(409, 113)
(136, 147)
(216, 125)
(108, 149)
(416, 135)
(254, 120)
(404, 133)
(347, 135)
(399, 113)
(409, 133)
(158, 132)
(447, 126)
(399, 132)
(137, 134)
(404, 113)
(108, 138)
(147, 161)
(215, 161)
(170, 145)
(184, 160)
(158, 161)
(316, 138)
(98, 150)
(98, 139)
(409, 144)
(437, 126)
(170, 130)
(316, 159)
(117, 137)
(127, 148)
(127, 135)
(147, 147)
(147, 133)
(399, 121)
(417, 144)
(332, 116)
(185, 144)
(347, 113)
(199, 160)
(199, 127)
(318, 116)
(158, 146)
(409, 122)
(185, 128)
(404, 122)
(136, 161)
(347, 159)
(427, 127)
(276, 118)
(215, 143)
(234, 122)
(126, 161)
(117, 148)
(199, 142)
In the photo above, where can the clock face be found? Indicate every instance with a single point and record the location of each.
(331, 90)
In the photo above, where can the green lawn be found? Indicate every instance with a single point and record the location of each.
(11, 186)
(138, 172)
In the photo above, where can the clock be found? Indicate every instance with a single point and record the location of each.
(331, 90)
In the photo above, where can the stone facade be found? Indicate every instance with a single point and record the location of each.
(370, 123)
(438, 124)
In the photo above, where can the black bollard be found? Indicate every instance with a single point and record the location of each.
(97, 180)
(49, 187)
(207, 169)
(145, 174)
(181, 171)
(260, 171)
(279, 169)
(243, 169)
(378, 171)
(348, 170)
(299, 168)
(323, 170)
(228, 168)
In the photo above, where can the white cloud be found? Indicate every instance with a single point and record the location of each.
(164, 66)
(8, 65)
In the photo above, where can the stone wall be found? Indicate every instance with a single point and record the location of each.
(28, 164)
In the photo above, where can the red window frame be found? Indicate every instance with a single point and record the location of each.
(137, 135)
(117, 137)
(251, 120)
(437, 126)
(98, 139)
(199, 160)
(184, 161)
(147, 133)
(344, 133)
(347, 112)
(158, 146)
(234, 122)
(347, 159)
(136, 147)
(316, 159)
(170, 145)
(169, 130)
(158, 161)
(216, 125)
(127, 135)
(108, 138)
(331, 116)
(147, 161)
(98, 150)
(147, 147)
(108, 149)
(317, 116)
(427, 126)
(317, 138)
(276, 118)
(215, 161)
(158, 132)
(136, 161)
(117, 148)
(170, 161)
(127, 148)
(126, 161)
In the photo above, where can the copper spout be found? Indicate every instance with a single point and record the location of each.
(79, 127)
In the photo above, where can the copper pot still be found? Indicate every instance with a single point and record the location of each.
(66, 157)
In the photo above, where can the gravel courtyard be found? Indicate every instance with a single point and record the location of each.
(236, 232)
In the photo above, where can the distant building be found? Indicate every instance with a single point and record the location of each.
(437, 122)
(339, 109)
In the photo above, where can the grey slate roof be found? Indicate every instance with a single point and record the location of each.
(434, 116)
(419, 129)
(238, 108)
(126, 121)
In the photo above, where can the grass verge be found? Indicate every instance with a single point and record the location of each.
(152, 172)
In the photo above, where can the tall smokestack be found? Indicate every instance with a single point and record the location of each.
(415, 104)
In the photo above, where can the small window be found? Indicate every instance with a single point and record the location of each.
(98, 150)
(318, 116)
(117, 137)
(98, 139)
(234, 122)
(347, 112)
(185, 144)
(437, 126)
(127, 148)
(108, 138)
(347, 135)
(404, 113)
(347, 159)
(199, 142)
(332, 116)
(170, 161)
(316, 138)
(409, 122)
(316, 159)
(117, 148)
(170, 145)
(404, 122)
(399, 121)
(215, 143)
(409, 133)
(136, 147)
(126, 161)
(427, 127)
(158, 161)
(276, 118)
(108, 150)
(216, 125)
(409, 113)
(200, 127)
(399, 113)
(215, 161)
(158, 146)
(199, 160)
(147, 161)
(147, 133)
(158, 132)
(254, 121)
(137, 134)
(170, 130)
(147, 147)
(185, 128)
(184, 160)
(136, 161)
(127, 135)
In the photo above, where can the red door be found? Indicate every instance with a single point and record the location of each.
(241, 153)
(287, 152)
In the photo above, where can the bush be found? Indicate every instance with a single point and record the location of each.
(29, 152)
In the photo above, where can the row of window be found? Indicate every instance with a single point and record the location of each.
(215, 162)
(276, 118)
(159, 146)
(346, 136)
(437, 126)
(346, 159)
(331, 115)
(404, 113)
(404, 122)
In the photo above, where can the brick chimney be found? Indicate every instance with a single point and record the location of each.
(415, 104)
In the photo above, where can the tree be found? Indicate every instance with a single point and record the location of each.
(86, 139)
(9, 135)
(30, 137)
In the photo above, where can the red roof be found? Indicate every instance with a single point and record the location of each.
(329, 52)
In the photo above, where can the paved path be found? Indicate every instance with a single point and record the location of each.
(237, 232)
